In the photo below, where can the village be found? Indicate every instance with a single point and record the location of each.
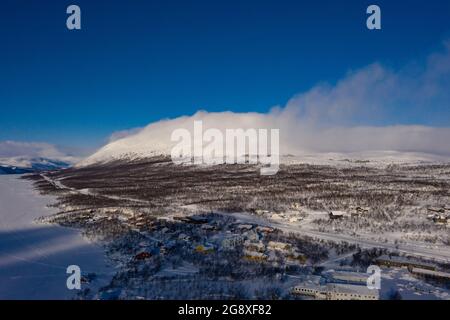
(165, 236)
(169, 251)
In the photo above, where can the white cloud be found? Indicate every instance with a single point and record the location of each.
(376, 94)
(123, 133)
(354, 115)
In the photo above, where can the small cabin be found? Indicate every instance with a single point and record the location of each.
(335, 215)
(142, 256)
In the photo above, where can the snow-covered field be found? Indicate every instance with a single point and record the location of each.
(33, 257)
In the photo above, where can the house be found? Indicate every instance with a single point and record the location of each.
(295, 256)
(334, 215)
(264, 229)
(204, 248)
(443, 277)
(334, 291)
(363, 209)
(287, 250)
(348, 277)
(358, 211)
(310, 290)
(351, 292)
(440, 219)
(278, 246)
(395, 261)
(142, 256)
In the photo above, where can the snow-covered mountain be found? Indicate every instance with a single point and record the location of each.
(18, 165)
(308, 144)
(23, 157)
(129, 148)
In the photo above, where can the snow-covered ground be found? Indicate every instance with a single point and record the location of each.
(33, 257)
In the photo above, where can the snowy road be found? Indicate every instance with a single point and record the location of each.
(441, 253)
(59, 185)
(34, 258)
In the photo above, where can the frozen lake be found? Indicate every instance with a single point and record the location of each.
(34, 257)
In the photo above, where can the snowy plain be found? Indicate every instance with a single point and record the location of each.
(34, 257)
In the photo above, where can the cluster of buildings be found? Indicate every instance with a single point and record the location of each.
(439, 215)
(337, 285)
(348, 285)
(252, 239)
(359, 211)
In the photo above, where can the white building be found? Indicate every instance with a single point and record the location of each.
(431, 274)
(279, 246)
(348, 277)
(334, 291)
(350, 292)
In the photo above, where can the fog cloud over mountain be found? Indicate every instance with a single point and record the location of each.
(353, 115)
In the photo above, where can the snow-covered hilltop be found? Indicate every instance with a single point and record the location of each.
(18, 165)
(155, 139)
(129, 148)
(306, 141)
(294, 146)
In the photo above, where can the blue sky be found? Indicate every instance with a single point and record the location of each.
(135, 62)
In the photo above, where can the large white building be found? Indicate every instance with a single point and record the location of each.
(333, 291)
